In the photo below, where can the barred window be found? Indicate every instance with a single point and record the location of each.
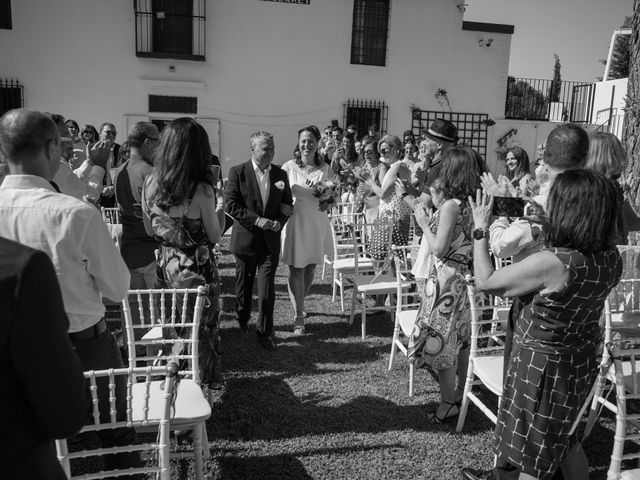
(369, 32)
(11, 95)
(364, 113)
(170, 29)
(5, 14)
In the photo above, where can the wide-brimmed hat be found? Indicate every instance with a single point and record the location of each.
(442, 130)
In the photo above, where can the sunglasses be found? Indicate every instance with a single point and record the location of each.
(368, 152)
(110, 132)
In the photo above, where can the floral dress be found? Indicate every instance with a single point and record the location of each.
(186, 260)
(443, 324)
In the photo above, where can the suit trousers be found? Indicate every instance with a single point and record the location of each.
(100, 353)
(260, 266)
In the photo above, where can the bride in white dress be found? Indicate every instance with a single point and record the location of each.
(307, 234)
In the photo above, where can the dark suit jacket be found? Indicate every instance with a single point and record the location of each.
(44, 395)
(244, 204)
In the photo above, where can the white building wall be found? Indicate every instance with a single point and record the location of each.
(268, 66)
(609, 104)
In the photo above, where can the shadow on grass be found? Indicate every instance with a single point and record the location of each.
(266, 409)
(295, 355)
(283, 466)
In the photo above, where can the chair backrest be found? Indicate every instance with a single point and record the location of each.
(625, 354)
(621, 313)
(164, 327)
(342, 226)
(343, 208)
(408, 297)
(488, 322)
(373, 242)
(502, 262)
(111, 215)
(139, 408)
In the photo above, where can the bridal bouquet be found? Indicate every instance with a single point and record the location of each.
(327, 192)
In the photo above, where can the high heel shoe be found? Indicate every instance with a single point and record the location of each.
(452, 412)
(298, 325)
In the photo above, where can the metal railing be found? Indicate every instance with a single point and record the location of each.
(11, 95)
(170, 29)
(538, 99)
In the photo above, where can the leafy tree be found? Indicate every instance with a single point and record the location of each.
(621, 55)
(556, 83)
(524, 101)
(632, 114)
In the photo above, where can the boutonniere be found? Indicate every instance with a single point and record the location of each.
(279, 185)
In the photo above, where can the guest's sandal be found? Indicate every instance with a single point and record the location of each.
(452, 412)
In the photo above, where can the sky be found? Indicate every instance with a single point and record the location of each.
(579, 31)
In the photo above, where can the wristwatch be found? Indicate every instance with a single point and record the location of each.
(480, 233)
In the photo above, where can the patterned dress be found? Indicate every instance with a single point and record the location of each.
(186, 260)
(443, 325)
(392, 209)
(553, 364)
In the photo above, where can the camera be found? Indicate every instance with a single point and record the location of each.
(508, 206)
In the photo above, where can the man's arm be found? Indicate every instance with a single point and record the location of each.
(42, 355)
(287, 199)
(235, 204)
(104, 262)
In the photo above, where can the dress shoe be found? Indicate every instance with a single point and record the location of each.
(244, 325)
(474, 474)
(267, 342)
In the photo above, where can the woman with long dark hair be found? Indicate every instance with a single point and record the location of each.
(307, 235)
(344, 160)
(554, 360)
(517, 168)
(183, 209)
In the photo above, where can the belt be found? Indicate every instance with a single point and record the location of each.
(92, 332)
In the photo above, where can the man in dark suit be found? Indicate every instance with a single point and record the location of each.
(44, 392)
(258, 197)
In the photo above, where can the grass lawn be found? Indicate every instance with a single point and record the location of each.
(324, 406)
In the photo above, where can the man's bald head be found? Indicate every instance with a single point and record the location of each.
(25, 134)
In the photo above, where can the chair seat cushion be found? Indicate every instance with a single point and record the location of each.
(349, 264)
(630, 474)
(153, 335)
(191, 406)
(380, 286)
(407, 320)
(490, 369)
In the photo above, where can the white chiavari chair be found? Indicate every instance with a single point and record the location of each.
(166, 328)
(149, 402)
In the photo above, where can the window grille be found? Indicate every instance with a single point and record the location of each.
(168, 104)
(11, 95)
(170, 29)
(369, 32)
(5, 15)
(472, 127)
(364, 113)
(299, 2)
